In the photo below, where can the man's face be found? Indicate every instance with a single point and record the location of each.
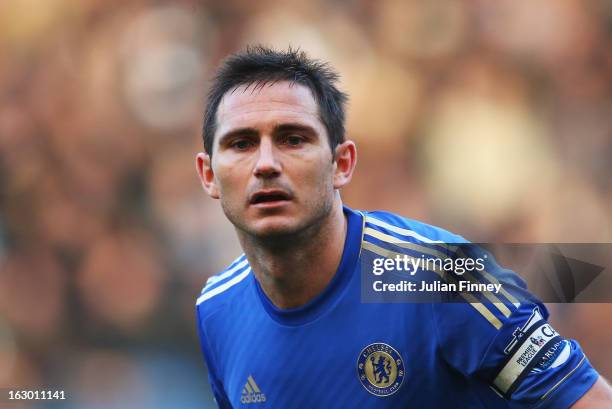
(272, 164)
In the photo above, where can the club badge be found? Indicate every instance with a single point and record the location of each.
(380, 369)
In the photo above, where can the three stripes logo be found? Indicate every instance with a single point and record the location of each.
(251, 392)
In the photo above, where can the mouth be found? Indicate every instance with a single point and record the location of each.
(268, 198)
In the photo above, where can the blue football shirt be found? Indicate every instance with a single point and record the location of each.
(339, 352)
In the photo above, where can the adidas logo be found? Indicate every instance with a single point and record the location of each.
(251, 392)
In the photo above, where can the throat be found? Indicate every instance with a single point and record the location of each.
(293, 278)
(294, 272)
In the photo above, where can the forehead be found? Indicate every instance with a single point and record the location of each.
(257, 106)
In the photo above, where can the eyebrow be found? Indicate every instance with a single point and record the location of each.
(294, 127)
(280, 128)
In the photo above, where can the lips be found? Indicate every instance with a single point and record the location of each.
(269, 196)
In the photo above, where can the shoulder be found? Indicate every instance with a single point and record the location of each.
(493, 293)
(407, 229)
(223, 287)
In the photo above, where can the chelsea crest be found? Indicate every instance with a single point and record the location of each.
(380, 369)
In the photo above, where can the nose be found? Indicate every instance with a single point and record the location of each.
(267, 164)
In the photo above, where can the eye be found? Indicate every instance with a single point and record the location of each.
(241, 144)
(294, 140)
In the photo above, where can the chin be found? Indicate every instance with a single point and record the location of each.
(271, 229)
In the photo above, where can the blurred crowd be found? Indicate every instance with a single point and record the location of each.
(489, 118)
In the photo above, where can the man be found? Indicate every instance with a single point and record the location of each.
(284, 326)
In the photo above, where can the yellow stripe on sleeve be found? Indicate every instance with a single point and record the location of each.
(478, 306)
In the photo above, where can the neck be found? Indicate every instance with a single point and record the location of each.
(294, 270)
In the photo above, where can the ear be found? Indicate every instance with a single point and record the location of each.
(206, 174)
(345, 160)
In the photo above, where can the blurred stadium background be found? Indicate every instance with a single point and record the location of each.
(489, 118)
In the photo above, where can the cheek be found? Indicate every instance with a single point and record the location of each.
(319, 176)
(228, 180)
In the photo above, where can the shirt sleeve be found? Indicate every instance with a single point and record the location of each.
(504, 339)
(217, 387)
